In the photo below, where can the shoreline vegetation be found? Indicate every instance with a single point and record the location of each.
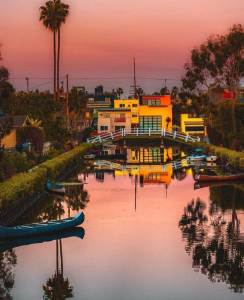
(29, 184)
(235, 158)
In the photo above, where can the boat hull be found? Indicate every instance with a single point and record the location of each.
(211, 178)
(41, 228)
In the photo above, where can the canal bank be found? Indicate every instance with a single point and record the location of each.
(29, 185)
(235, 158)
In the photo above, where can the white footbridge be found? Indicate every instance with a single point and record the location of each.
(142, 133)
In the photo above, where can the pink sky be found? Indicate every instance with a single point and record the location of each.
(101, 37)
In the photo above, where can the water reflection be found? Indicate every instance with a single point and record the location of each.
(52, 208)
(57, 286)
(214, 239)
(8, 261)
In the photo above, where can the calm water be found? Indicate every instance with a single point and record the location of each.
(148, 235)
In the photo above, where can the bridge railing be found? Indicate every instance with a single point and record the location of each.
(174, 135)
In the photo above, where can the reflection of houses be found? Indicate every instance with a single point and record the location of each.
(154, 112)
(193, 125)
(148, 155)
(149, 174)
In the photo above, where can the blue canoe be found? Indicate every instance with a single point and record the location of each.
(55, 187)
(77, 232)
(41, 228)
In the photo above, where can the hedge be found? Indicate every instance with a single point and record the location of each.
(235, 158)
(25, 185)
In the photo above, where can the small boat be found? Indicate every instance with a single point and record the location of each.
(36, 229)
(78, 232)
(64, 184)
(89, 156)
(56, 188)
(202, 177)
(196, 157)
(211, 158)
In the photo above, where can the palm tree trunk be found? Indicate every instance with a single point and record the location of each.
(58, 63)
(54, 65)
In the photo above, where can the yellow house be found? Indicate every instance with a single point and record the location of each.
(192, 125)
(155, 113)
(10, 140)
(133, 105)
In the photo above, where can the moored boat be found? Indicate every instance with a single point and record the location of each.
(56, 188)
(89, 156)
(202, 177)
(77, 232)
(211, 158)
(41, 228)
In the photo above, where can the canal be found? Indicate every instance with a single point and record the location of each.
(149, 233)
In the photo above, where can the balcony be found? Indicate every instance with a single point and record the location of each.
(120, 120)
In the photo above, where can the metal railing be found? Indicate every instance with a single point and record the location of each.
(136, 132)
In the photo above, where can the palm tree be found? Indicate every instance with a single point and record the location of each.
(52, 15)
(119, 92)
(62, 13)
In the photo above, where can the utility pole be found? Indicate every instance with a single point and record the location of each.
(67, 102)
(135, 87)
(27, 84)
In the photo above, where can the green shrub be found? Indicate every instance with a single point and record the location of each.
(25, 185)
(235, 158)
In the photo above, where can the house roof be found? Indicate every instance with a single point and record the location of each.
(114, 109)
(18, 121)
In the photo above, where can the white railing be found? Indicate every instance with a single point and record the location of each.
(173, 135)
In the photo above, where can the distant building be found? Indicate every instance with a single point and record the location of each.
(219, 95)
(155, 112)
(132, 105)
(193, 125)
(10, 139)
(111, 119)
(152, 112)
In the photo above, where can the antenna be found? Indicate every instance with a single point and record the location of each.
(134, 87)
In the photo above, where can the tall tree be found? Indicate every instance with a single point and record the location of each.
(53, 14)
(217, 62)
(49, 18)
(119, 92)
(62, 13)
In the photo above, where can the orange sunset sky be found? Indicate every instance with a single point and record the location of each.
(101, 37)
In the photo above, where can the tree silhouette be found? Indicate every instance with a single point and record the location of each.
(215, 245)
(8, 260)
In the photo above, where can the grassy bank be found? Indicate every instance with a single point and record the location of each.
(235, 158)
(26, 185)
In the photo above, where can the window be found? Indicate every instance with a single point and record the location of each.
(119, 127)
(194, 128)
(152, 122)
(104, 128)
(134, 116)
(122, 105)
(134, 105)
(152, 102)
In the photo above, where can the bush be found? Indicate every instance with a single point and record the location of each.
(235, 158)
(23, 186)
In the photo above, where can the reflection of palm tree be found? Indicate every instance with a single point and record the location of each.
(180, 174)
(8, 260)
(192, 222)
(76, 198)
(57, 287)
(215, 250)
